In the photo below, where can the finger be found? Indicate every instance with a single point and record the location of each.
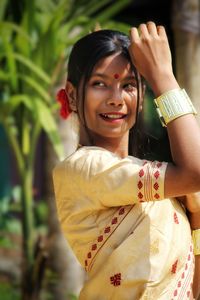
(143, 30)
(134, 35)
(161, 31)
(151, 26)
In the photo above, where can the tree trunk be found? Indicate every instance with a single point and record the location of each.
(186, 25)
(188, 64)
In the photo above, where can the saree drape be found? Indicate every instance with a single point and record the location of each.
(133, 243)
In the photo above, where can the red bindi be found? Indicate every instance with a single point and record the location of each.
(116, 76)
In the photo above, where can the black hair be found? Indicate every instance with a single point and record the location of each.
(85, 54)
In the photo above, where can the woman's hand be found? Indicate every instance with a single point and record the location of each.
(151, 55)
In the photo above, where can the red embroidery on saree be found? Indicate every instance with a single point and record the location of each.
(156, 186)
(121, 213)
(159, 164)
(176, 221)
(140, 185)
(174, 267)
(148, 184)
(157, 196)
(94, 247)
(188, 294)
(141, 173)
(100, 238)
(140, 195)
(156, 174)
(184, 285)
(116, 279)
(107, 229)
(175, 293)
(114, 220)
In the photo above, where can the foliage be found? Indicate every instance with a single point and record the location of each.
(8, 293)
(35, 40)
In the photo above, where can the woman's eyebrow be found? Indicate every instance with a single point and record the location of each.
(130, 77)
(99, 75)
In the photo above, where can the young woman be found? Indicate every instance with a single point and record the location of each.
(118, 211)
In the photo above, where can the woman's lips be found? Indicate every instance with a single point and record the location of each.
(113, 116)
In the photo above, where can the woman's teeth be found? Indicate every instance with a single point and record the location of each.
(112, 116)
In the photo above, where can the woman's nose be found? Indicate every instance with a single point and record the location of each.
(115, 99)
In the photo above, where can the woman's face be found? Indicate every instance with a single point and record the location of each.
(111, 98)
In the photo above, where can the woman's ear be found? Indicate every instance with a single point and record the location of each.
(72, 95)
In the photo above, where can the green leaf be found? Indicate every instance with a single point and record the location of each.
(10, 105)
(3, 4)
(16, 100)
(49, 126)
(91, 7)
(26, 139)
(114, 9)
(5, 25)
(4, 76)
(35, 69)
(11, 64)
(36, 86)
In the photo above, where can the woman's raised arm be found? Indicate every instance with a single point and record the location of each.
(151, 55)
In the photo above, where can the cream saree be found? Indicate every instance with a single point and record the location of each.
(133, 243)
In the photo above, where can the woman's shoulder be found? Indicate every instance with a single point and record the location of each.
(91, 160)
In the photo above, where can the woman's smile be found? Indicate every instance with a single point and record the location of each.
(113, 117)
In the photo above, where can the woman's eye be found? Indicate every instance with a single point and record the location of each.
(129, 86)
(98, 84)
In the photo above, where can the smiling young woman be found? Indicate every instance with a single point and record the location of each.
(119, 211)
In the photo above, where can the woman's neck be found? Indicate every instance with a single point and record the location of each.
(118, 149)
(119, 146)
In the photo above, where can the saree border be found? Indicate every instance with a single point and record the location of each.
(183, 289)
(107, 232)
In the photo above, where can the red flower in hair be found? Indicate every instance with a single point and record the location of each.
(62, 98)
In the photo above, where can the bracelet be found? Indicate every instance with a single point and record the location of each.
(172, 105)
(196, 241)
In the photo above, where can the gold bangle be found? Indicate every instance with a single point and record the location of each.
(172, 105)
(196, 241)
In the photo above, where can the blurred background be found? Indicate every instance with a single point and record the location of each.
(35, 40)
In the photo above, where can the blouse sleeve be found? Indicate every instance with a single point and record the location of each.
(103, 178)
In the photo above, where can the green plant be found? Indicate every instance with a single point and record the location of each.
(8, 293)
(35, 40)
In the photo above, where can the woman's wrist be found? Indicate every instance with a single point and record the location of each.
(163, 83)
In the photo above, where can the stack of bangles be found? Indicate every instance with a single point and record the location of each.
(170, 106)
